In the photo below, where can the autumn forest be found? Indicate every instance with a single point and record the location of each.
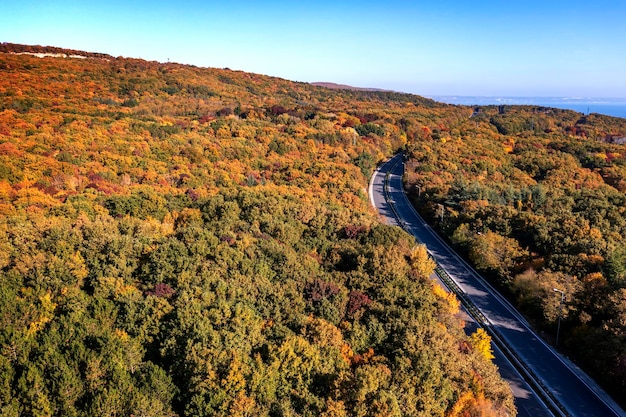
(184, 241)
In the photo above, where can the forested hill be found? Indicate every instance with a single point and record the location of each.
(188, 241)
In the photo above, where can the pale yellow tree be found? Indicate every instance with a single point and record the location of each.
(421, 262)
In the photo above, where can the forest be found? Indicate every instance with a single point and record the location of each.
(535, 198)
(184, 241)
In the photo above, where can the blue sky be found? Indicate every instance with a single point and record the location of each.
(444, 47)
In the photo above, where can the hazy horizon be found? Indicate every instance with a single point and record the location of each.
(608, 106)
(612, 106)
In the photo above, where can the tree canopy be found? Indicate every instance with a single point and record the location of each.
(192, 241)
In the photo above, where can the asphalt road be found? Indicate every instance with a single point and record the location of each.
(571, 391)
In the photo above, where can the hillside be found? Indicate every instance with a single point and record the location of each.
(192, 241)
(336, 86)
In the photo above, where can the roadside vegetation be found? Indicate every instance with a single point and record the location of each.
(535, 198)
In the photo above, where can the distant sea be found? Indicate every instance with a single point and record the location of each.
(608, 106)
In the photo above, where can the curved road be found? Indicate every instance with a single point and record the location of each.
(565, 388)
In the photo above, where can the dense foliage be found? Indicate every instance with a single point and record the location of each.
(186, 241)
(536, 199)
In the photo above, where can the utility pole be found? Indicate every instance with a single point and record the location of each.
(558, 326)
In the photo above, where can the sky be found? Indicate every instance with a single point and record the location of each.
(564, 48)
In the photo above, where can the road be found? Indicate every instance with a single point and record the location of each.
(564, 388)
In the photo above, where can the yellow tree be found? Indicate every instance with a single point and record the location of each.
(421, 262)
(481, 341)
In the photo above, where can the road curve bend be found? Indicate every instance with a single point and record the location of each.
(563, 387)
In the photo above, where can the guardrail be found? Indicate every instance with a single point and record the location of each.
(538, 387)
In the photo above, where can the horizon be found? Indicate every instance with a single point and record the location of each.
(457, 99)
(451, 48)
(611, 99)
(616, 100)
(615, 107)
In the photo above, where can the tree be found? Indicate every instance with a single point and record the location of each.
(492, 252)
(481, 341)
(421, 262)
